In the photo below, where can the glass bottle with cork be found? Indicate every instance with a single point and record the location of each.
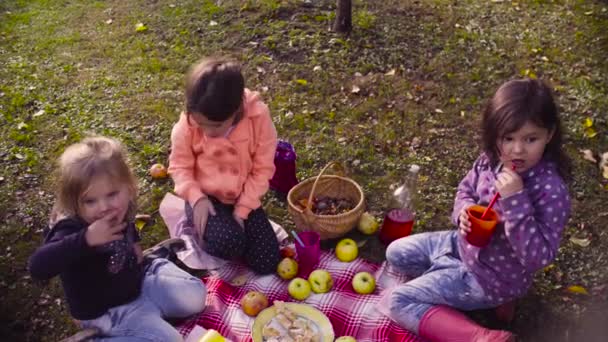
(399, 219)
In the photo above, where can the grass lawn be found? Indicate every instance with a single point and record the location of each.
(423, 70)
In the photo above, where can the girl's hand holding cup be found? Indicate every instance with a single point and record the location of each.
(463, 222)
(102, 231)
(202, 209)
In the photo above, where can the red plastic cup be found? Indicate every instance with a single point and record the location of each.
(481, 230)
(308, 255)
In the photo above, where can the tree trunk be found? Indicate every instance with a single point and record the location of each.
(343, 23)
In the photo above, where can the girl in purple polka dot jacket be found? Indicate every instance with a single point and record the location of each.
(523, 161)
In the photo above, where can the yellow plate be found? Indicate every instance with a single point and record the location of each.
(306, 311)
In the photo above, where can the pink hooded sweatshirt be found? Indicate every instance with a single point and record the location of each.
(235, 169)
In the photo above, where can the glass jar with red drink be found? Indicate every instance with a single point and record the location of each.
(399, 219)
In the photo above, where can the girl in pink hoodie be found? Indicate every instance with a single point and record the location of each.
(222, 158)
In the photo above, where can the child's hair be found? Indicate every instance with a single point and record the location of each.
(80, 163)
(214, 88)
(515, 103)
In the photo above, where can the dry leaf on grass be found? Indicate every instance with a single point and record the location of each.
(580, 242)
(141, 220)
(588, 155)
(604, 165)
(577, 289)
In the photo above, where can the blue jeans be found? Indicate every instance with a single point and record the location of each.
(438, 275)
(167, 291)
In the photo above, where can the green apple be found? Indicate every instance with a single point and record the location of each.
(299, 288)
(212, 336)
(320, 281)
(364, 283)
(287, 268)
(368, 224)
(347, 250)
(345, 339)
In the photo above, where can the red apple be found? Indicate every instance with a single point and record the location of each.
(254, 302)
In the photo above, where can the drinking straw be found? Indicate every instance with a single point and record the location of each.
(295, 235)
(494, 199)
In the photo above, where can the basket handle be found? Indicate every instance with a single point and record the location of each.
(337, 165)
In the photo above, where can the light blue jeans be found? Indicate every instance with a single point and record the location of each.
(438, 275)
(167, 292)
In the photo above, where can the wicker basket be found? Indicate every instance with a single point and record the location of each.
(328, 226)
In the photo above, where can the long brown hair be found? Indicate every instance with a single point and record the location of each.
(515, 103)
(82, 161)
(215, 88)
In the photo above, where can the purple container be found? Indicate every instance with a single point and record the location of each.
(284, 177)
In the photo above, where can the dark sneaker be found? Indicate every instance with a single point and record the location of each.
(166, 249)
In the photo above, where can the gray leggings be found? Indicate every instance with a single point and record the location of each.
(224, 238)
(438, 275)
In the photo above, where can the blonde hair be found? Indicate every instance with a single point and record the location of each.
(80, 163)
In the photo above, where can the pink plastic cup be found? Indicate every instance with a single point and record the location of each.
(308, 255)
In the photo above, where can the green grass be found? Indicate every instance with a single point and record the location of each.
(68, 71)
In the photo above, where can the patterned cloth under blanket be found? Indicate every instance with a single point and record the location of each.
(350, 313)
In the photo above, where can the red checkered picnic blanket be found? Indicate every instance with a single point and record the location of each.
(349, 313)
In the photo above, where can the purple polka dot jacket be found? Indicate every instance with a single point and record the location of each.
(529, 231)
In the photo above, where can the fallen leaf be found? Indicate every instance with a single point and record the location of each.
(140, 27)
(391, 72)
(141, 220)
(588, 122)
(580, 242)
(239, 280)
(590, 132)
(549, 268)
(577, 289)
(301, 82)
(588, 155)
(604, 165)
(139, 224)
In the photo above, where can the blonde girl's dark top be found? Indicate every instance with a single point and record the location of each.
(94, 279)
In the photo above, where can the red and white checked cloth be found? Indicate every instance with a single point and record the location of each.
(350, 313)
